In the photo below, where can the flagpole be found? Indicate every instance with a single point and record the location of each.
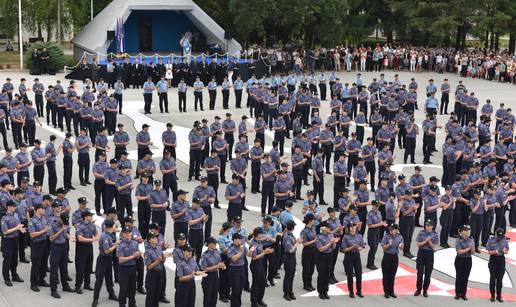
(20, 35)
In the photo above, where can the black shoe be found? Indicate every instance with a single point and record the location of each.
(417, 293)
(292, 296)
(24, 260)
(141, 290)
(457, 296)
(54, 294)
(68, 289)
(386, 295)
(262, 303)
(223, 299)
(44, 283)
(393, 295)
(164, 299)
(351, 295)
(272, 282)
(425, 293)
(83, 184)
(247, 289)
(78, 290)
(34, 288)
(408, 255)
(17, 278)
(245, 208)
(287, 297)
(326, 297)
(88, 287)
(278, 276)
(217, 206)
(321, 296)
(88, 182)
(500, 299)
(223, 181)
(94, 303)
(464, 297)
(359, 294)
(492, 299)
(113, 297)
(8, 283)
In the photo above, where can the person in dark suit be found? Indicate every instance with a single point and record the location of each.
(136, 72)
(128, 72)
(145, 72)
(176, 72)
(160, 69)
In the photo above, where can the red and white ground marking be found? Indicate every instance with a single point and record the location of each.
(444, 262)
(405, 284)
(511, 256)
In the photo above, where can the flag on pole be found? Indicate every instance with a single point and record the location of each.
(120, 39)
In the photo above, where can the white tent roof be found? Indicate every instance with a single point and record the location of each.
(93, 37)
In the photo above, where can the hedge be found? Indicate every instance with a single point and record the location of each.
(57, 57)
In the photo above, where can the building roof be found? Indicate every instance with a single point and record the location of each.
(93, 37)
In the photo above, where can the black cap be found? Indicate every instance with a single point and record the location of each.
(61, 191)
(309, 192)
(433, 178)
(238, 219)
(56, 203)
(86, 213)
(113, 161)
(211, 240)
(145, 126)
(154, 226)
(236, 235)
(393, 226)
(464, 228)
(308, 217)
(181, 236)
(204, 178)
(109, 223)
(126, 229)
(182, 192)
(111, 210)
(157, 182)
(10, 203)
(128, 219)
(267, 219)
(500, 232)
(429, 223)
(291, 224)
(82, 200)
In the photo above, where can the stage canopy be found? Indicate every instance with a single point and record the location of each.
(153, 26)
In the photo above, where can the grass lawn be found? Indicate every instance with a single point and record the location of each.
(9, 60)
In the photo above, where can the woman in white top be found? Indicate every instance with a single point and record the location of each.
(168, 73)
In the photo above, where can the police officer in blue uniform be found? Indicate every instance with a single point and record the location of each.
(11, 229)
(325, 243)
(289, 244)
(58, 233)
(375, 226)
(38, 230)
(178, 212)
(497, 247)
(426, 240)
(157, 204)
(465, 247)
(237, 254)
(127, 252)
(391, 243)
(104, 268)
(207, 196)
(154, 259)
(351, 245)
(211, 262)
(86, 233)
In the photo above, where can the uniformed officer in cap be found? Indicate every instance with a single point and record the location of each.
(142, 194)
(465, 247)
(168, 168)
(497, 247)
(38, 230)
(237, 254)
(154, 259)
(426, 240)
(289, 244)
(375, 225)
(99, 169)
(104, 268)
(186, 272)
(206, 195)
(178, 212)
(86, 233)
(58, 233)
(127, 253)
(407, 213)
(351, 245)
(196, 218)
(392, 242)
(158, 203)
(211, 262)
(325, 243)
(11, 229)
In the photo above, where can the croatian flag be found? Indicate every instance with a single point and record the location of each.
(120, 40)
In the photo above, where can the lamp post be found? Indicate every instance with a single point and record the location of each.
(91, 10)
